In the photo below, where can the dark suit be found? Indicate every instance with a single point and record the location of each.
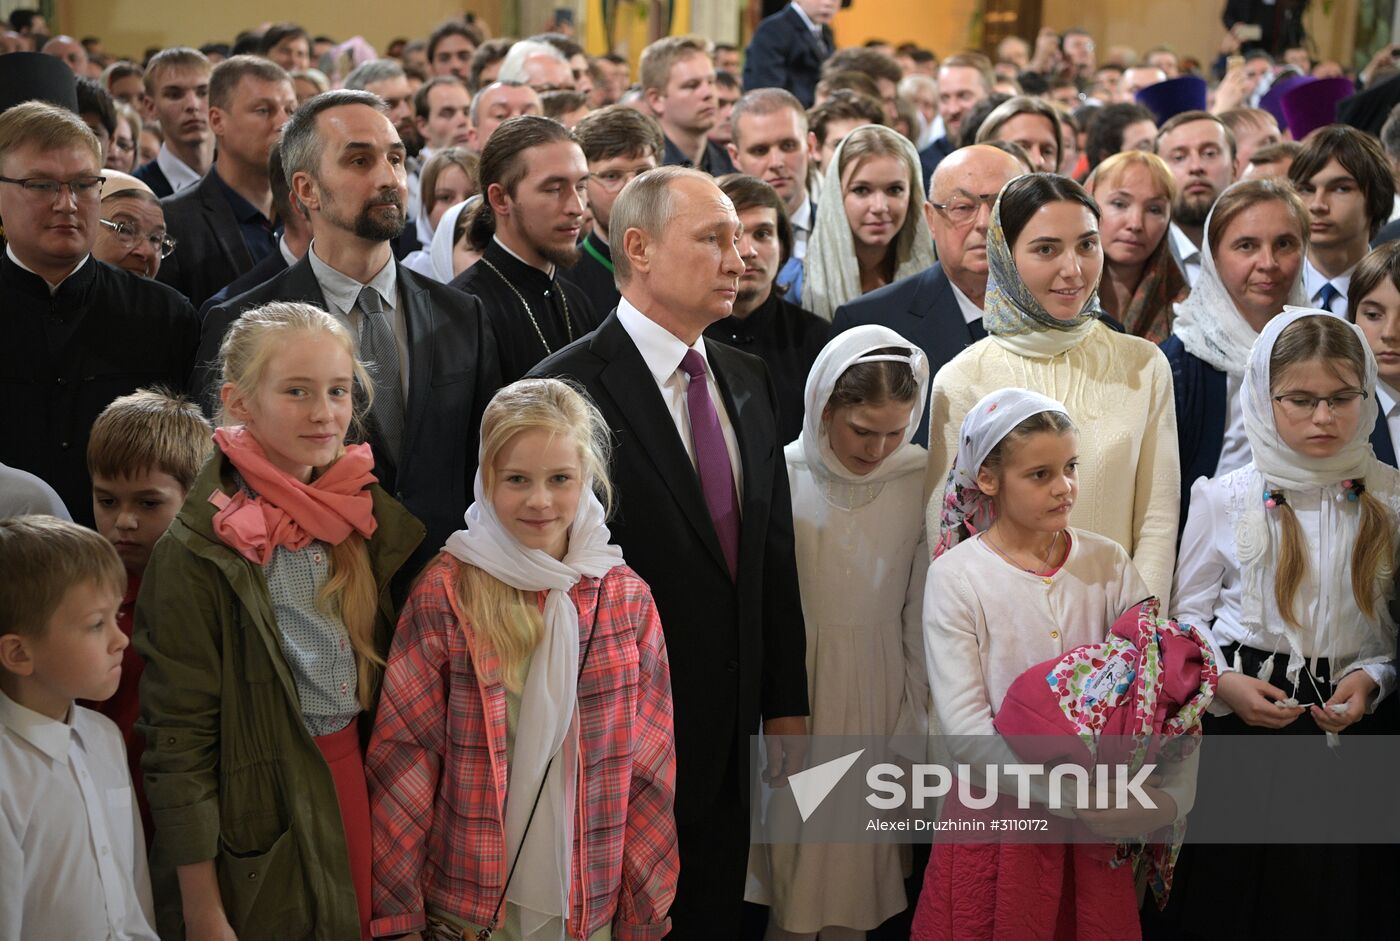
(209, 251)
(1388, 233)
(932, 155)
(1202, 411)
(737, 650)
(153, 176)
(784, 53)
(922, 309)
(453, 371)
(265, 270)
(1381, 443)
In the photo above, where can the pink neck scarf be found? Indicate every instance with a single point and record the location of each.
(287, 512)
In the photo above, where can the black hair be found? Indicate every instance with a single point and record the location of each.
(1024, 195)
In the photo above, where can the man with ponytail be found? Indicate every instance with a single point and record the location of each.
(526, 226)
(433, 354)
(704, 515)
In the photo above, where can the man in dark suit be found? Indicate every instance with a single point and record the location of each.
(940, 308)
(291, 245)
(788, 49)
(703, 513)
(434, 360)
(177, 90)
(223, 225)
(964, 81)
(678, 85)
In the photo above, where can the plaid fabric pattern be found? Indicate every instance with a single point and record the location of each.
(437, 767)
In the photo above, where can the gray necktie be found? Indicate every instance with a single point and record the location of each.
(380, 352)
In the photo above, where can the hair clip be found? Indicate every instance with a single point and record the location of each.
(1354, 489)
(1274, 499)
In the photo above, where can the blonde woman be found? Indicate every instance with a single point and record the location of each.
(870, 229)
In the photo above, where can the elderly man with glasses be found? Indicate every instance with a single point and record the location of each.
(79, 332)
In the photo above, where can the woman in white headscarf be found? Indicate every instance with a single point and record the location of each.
(870, 229)
(1286, 565)
(1251, 266)
(448, 254)
(1042, 316)
(523, 747)
(857, 486)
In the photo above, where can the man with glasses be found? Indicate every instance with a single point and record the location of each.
(132, 234)
(79, 331)
(619, 143)
(941, 307)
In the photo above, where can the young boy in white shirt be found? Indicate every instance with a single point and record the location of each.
(72, 853)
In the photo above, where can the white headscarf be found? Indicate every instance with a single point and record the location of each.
(832, 275)
(548, 723)
(435, 259)
(846, 349)
(983, 428)
(1276, 466)
(1209, 324)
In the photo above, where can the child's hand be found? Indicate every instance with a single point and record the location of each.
(1255, 701)
(1352, 692)
(1135, 820)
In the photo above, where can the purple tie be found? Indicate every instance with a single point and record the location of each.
(712, 458)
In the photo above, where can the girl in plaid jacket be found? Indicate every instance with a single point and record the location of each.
(522, 768)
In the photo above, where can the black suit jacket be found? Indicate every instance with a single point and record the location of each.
(783, 53)
(737, 649)
(209, 251)
(453, 371)
(153, 176)
(265, 270)
(922, 309)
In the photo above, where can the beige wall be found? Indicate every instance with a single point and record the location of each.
(130, 26)
(940, 25)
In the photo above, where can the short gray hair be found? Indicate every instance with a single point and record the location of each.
(647, 202)
(474, 109)
(513, 68)
(301, 143)
(376, 70)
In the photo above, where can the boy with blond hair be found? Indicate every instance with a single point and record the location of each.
(72, 853)
(143, 455)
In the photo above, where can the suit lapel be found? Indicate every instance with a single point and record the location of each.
(224, 224)
(629, 382)
(418, 319)
(943, 328)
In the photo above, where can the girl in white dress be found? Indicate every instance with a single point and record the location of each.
(1286, 565)
(857, 491)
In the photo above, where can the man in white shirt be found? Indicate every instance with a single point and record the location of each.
(177, 89)
(72, 852)
(702, 511)
(1344, 178)
(769, 141)
(1200, 150)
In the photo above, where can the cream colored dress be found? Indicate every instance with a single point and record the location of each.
(1118, 390)
(862, 561)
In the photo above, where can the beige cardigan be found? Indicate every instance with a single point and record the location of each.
(1118, 390)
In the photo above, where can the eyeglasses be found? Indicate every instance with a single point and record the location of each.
(963, 208)
(127, 234)
(1299, 406)
(83, 188)
(614, 180)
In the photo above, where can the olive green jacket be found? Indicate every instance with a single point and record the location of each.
(231, 772)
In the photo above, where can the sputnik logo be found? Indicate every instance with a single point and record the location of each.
(811, 787)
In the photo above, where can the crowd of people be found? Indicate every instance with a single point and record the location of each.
(424, 472)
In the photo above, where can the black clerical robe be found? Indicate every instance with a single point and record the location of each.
(594, 275)
(532, 314)
(64, 357)
(788, 339)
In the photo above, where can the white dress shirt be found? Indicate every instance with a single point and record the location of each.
(1234, 448)
(72, 853)
(1389, 402)
(179, 174)
(663, 351)
(1208, 594)
(971, 313)
(1186, 250)
(801, 221)
(287, 255)
(342, 291)
(1314, 281)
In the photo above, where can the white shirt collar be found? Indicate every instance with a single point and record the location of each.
(1313, 280)
(341, 290)
(287, 255)
(661, 349)
(970, 311)
(48, 735)
(1387, 398)
(53, 288)
(806, 19)
(801, 218)
(179, 174)
(506, 248)
(1184, 246)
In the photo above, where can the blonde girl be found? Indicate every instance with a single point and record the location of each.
(264, 619)
(522, 769)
